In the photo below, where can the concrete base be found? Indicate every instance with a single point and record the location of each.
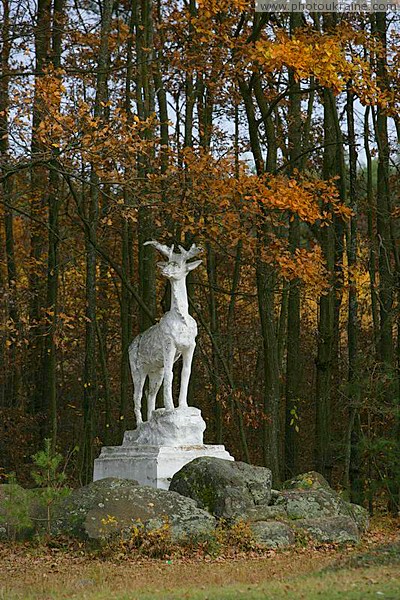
(150, 465)
(183, 426)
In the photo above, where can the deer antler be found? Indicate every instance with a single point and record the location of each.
(193, 251)
(168, 252)
(165, 250)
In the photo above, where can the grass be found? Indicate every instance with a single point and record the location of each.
(384, 554)
(97, 583)
(371, 570)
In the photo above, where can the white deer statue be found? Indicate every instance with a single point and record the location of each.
(152, 353)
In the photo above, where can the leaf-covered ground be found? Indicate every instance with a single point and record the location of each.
(370, 570)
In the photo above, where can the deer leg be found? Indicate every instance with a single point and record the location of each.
(187, 356)
(155, 381)
(138, 383)
(169, 356)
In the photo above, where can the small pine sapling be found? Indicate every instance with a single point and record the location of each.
(50, 475)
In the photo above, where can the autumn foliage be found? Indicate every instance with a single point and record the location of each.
(269, 140)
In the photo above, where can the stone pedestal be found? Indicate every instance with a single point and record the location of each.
(158, 448)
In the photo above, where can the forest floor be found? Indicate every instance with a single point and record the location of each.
(370, 569)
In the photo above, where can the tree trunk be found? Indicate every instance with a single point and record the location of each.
(126, 304)
(271, 431)
(371, 214)
(39, 184)
(11, 388)
(326, 317)
(386, 281)
(49, 393)
(266, 286)
(293, 362)
(145, 100)
(214, 327)
(90, 392)
(352, 478)
(386, 262)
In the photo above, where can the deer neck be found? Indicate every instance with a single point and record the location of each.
(179, 300)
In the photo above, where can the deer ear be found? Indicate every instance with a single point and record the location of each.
(192, 265)
(161, 265)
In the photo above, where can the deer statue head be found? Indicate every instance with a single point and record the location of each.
(177, 266)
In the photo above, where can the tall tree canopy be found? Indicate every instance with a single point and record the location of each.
(270, 139)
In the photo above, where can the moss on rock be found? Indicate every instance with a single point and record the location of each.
(307, 481)
(339, 530)
(107, 506)
(272, 534)
(226, 489)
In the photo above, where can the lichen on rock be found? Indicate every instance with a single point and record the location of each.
(339, 530)
(273, 534)
(224, 488)
(107, 506)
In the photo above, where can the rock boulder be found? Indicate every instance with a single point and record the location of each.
(312, 503)
(111, 505)
(273, 534)
(225, 489)
(342, 530)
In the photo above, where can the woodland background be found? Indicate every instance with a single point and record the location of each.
(269, 139)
